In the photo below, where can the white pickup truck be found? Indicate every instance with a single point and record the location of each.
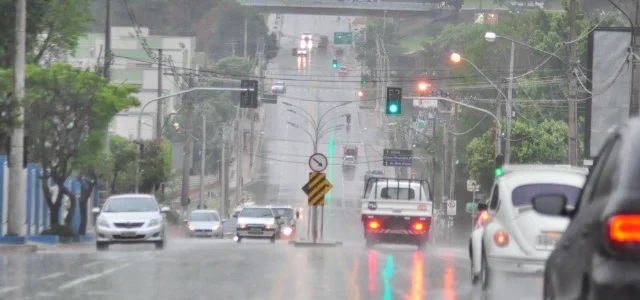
(397, 211)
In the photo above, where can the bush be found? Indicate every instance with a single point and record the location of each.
(59, 230)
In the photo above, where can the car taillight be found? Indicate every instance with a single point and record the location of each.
(373, 224)
(501, 238)
(419, 226)
(483, 218)
(624, 232)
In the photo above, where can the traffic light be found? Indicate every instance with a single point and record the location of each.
(499, 163)
(360, 93)
(394, 101)
(249, 99)
(423, 88)
(364, 79)
(335, 64)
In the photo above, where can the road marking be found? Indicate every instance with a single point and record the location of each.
(86, 278)
(8, 289)
(52, 275)
(88, 265)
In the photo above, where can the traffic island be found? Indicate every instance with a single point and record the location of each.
(318, 244)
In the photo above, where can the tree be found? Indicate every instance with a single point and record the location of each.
(8, 119)
(72, 108)
(533, 142)
(155, 165)
(124, 154)
(234, 65)
(53, 27)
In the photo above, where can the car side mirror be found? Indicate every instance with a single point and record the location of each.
(553, 205)
(95, 210)
(165, 209)
(482, 206)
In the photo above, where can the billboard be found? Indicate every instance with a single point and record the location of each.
(610, 85)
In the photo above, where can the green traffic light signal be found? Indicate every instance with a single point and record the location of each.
(498, 172)
(335, 64)
(394, 98)
(499, 163)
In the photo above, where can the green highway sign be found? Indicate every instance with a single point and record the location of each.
(471, 207)
(342, 38)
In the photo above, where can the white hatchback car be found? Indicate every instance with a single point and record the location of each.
(130, 218)
(510, 236)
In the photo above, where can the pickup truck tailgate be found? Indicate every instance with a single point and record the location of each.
(397, 208)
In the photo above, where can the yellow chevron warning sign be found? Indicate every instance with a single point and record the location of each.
(316, 188)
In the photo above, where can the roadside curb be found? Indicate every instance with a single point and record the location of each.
(64, 246)
(22, 248)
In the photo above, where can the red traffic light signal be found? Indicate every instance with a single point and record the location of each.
(423, 88)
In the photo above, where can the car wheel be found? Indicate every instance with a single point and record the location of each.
(485, 272)
(238, 239)
(273, 239)
(101, 246)
(159, 245)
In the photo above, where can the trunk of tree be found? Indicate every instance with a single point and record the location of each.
(86, 190)
(54, 209)
(113, 183)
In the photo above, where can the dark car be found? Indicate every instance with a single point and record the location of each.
(351, 150)
(598, 256)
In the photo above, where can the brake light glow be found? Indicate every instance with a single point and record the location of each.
(483, 218)
(419, 226)
(287, 231)
(625, 228)
(373, 224)
(501, 238)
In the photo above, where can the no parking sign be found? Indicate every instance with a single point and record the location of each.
(451, 207)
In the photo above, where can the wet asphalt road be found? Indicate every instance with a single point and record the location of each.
(222, 269)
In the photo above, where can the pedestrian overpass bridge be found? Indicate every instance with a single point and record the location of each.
(344, 8)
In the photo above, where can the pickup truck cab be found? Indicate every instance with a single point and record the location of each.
(397, 211)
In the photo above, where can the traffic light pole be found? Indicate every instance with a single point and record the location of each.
(495, 118)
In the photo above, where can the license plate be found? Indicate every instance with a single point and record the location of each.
(255, 230)
(128, 233)
(548, 240)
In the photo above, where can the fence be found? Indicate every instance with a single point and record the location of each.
(37, 209)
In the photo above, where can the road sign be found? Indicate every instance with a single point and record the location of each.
(316, 188)
(397, 158)
(473, 186)
(471, 207)
(342, 38)
(318, 162)
(451, 207)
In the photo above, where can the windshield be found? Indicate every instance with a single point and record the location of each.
(134, 204)
(256, 213)
(397, 193)
(522, 195)
(283, 212)
(204, 217)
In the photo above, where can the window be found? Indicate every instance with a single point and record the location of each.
(522, 195)
(397, 193)
(204, 217)
(494, 198)
(134, 204)
(256, 213)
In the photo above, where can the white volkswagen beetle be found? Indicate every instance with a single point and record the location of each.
(509, 235)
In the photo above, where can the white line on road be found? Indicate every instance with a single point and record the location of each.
(88, 265)
(8, 289)
(86, 278)
(52, 275)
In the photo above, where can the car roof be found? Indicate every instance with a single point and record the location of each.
(128, 196)
(550, 174)
(350, 146)
(199, 211)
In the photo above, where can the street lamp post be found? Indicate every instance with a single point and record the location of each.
(491, 37)
(318, 132)
(139, 135)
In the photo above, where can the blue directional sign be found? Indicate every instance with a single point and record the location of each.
(397, 158)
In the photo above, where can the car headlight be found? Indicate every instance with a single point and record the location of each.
(269, 226)
(242, 225)
(103, 223)
(216, 227)
(154, 222)
(287, 231)
(191, 227)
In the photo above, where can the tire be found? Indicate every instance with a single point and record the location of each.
(485, 272)
(159, 245)
(101, 246)
(273, 239)
(238, 240)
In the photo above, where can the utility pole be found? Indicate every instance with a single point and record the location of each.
(452, 172)
(573, 87)
(245, 37)
(225, 206)
(445, 159)
(107, 58)
(239, 157)
(17, 208)
(203, 156)
(507, 150)
(634, 106)
(159, 116)
(498, 140)
(187, 160)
